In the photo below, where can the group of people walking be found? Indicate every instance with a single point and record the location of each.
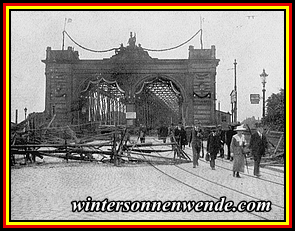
(236, 144)
(233, 138)
(258, 145)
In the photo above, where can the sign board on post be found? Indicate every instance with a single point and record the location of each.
(254, 98)
(129, 122)
(233, 96)
(130, 115)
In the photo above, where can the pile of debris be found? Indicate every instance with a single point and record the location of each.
(276, 149)
(105, 144)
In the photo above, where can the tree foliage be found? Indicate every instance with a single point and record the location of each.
(275, 111)
(251, 122)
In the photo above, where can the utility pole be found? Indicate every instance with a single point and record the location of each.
(16, 115)
(219, 113)
(236, 93)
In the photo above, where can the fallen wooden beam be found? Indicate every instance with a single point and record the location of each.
(158, 157)
(59, 145)
(23, 152)
(270, 163)
(149, 144)
(149, 151)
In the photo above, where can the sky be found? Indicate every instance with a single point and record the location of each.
(254, 38)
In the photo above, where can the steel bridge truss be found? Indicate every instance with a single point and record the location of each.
(158, 101)
(105, 103)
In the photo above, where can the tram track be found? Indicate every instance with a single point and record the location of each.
(276, 207)
(245, 194)
(234, 190)
(247, 175)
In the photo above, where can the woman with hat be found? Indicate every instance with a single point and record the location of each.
(237, 146)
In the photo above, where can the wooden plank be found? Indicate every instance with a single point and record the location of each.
(158, 157)
(278, 143)
(60, 145)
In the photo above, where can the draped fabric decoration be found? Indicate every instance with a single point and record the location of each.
(202, 75)
(208, 95)
(117, 48)
(174, 89)
(106, 81)
(172, 48)
(201, 86)
(105, 102)
(143, 85)
(157, 79)
(98, 51)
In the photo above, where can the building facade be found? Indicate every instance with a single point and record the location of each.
(131, 88)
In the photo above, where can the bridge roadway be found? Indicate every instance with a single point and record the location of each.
(44, 191)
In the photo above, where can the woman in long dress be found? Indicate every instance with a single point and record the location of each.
(237, 146)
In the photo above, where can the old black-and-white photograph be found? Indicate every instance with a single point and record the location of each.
(147, 115)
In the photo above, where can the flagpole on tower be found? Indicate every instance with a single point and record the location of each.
(201, 35)
(63, 35)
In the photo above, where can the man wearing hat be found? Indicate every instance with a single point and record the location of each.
(237, 151)
(213, 146)
(196, 139)
(221, 133)
(180, 135)
(141, 133)
(258, 145)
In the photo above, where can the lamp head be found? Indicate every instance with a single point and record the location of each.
(263, 76)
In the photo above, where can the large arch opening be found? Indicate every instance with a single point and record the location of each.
(158, 101)
(103, 102)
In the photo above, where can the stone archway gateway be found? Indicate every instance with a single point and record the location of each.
(131, 84)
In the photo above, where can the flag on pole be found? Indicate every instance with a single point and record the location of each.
(69, 20)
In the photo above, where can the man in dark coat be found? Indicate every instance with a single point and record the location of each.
(163, 133)
(196, 140)
(221, 133)
(258, 145)
(180, 136)
(213, 146)
(142, 133)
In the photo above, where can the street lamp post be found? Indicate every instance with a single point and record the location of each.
(25, 109)
(263, 81)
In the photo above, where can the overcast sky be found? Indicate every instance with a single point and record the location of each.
(256, 43)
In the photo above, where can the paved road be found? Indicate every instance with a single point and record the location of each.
(44, 191)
